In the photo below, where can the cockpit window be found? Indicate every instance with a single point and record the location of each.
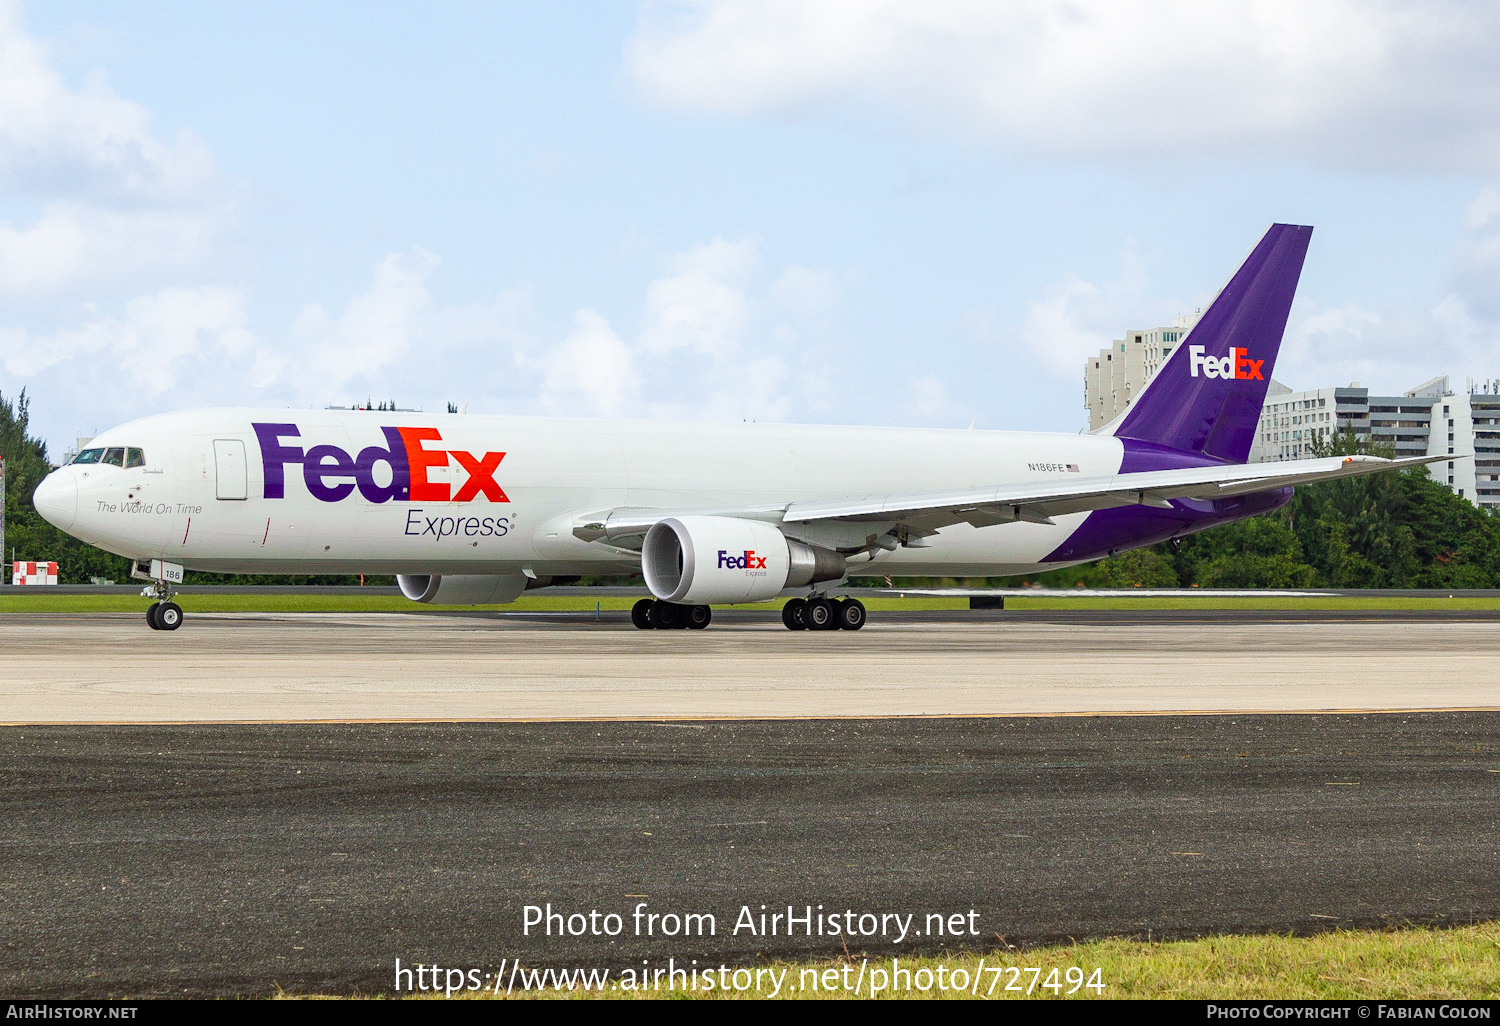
(134, 458)
(88, 456)
(114, 457)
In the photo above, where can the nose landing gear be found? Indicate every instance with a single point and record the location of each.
(164, 616)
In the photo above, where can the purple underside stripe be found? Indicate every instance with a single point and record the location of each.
(1129, 527)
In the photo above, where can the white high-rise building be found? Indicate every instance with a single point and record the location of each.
(1117, 375)
(1292, 422)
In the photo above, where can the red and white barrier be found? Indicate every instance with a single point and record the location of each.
(33, 573)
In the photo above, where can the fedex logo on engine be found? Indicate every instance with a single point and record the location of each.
(332, 474)
(748, 561)
(1236, 365)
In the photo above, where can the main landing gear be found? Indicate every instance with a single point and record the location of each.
(821, 614)
(814, 614)
(650, 614)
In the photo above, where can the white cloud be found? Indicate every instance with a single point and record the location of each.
(78, 247)
(712, 345)
(379, 329)
(591, 373)
(1341, 82)
(144, 348)
(119, 204)
(1393, 349)
(928, 399)
(1077, 318)
(702, 307)
(805, 291)
(88, 142)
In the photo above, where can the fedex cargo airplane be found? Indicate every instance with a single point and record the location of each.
(476, 510)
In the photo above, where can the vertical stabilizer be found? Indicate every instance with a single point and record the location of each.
(1207, 397)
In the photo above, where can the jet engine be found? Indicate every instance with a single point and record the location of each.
(700, 560)
(463, 589)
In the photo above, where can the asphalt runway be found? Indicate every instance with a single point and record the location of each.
(233, 859)
(79, 668)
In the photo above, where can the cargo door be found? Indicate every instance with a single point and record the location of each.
(229, 463)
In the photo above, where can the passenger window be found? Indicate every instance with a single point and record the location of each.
(89, 456)
(134, 458)
(114, 457)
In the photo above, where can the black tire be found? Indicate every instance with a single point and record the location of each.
(794, 614)
(665, 616)
(820, 616)
(151, 617)
(640, 615)
(699, 617)
(851, 614)
(169, 616)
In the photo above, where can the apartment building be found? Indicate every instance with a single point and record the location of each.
(1117, 375)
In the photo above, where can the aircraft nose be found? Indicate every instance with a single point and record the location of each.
(56, 499)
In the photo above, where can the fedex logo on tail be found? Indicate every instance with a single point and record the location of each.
(1236, 365)
(331, 474)
(748, 561)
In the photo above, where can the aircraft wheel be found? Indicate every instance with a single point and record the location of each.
(820, 616)
(794, 614)
(169, 616)
(699, 617)
(665, 616)
(640, 615)
(151, 617)
(851, 614)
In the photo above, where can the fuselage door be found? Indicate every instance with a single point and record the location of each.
(229, 461)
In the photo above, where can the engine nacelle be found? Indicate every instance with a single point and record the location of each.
(699, 560)
(463, 589)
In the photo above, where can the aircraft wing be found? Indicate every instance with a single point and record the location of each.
(1033, 501)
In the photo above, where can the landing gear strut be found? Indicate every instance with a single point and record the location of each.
(821, 614)
(650, 614)
(163, 614)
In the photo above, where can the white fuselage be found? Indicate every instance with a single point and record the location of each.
(197, 503)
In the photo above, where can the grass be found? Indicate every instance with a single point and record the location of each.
(1271, 602)
(39, 601)
(1409, 964)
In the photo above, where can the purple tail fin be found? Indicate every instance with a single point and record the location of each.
(1207, 397)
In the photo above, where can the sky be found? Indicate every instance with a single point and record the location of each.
(849, 211)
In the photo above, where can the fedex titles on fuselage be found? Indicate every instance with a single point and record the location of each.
(1236, 365)
(407, 456)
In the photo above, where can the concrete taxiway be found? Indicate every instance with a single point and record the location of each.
(77, 668)
(233, 859)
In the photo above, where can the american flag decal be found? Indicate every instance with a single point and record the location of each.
(1072, 468)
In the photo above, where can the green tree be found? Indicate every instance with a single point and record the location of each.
(1261, 552)
(1393, 530)
(27, 535)
(1139, 568)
